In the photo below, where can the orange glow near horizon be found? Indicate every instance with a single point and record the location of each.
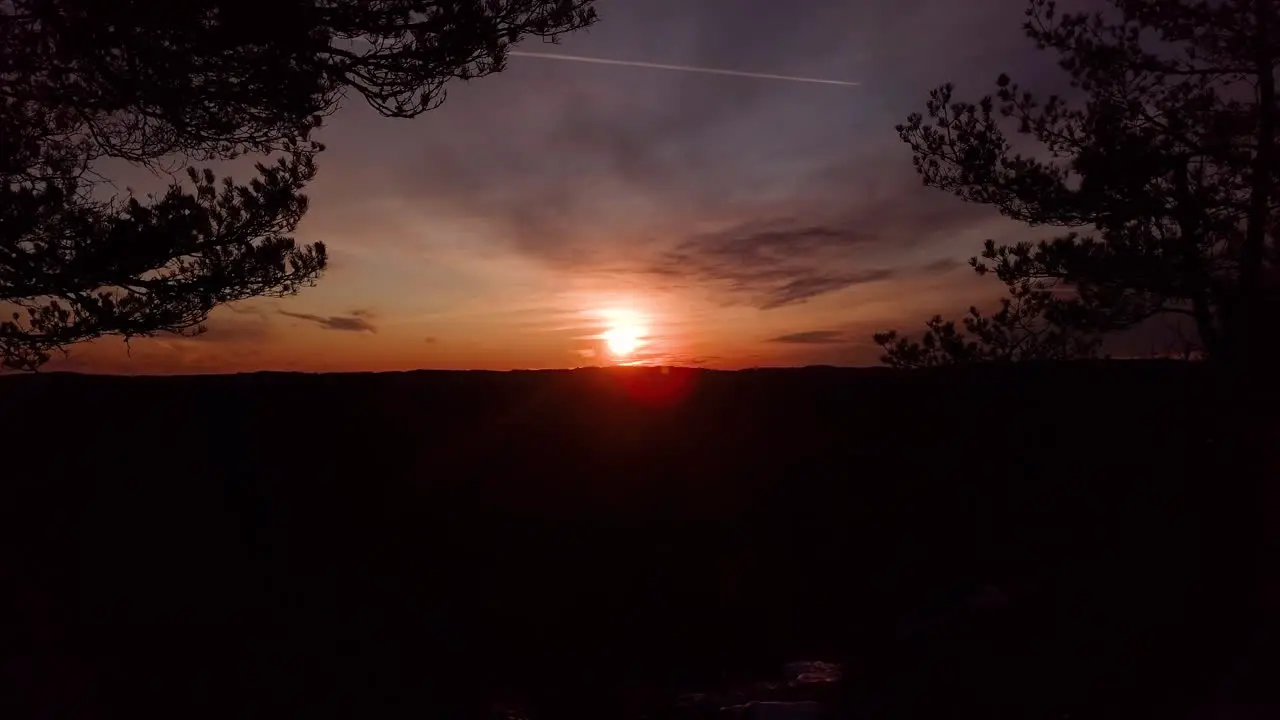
(565, 328)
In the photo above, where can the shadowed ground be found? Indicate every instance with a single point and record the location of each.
(999, 543)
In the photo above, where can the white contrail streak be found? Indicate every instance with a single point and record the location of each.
(679, 68)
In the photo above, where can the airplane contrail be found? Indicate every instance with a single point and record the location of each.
(679, 68)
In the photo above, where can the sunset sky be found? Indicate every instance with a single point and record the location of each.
(559, 211)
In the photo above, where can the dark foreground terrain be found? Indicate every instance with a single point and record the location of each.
(1084, 542)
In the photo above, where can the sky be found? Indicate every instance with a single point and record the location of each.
(565, 213)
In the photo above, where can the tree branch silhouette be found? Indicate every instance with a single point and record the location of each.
(164, 85)
(1161, 179)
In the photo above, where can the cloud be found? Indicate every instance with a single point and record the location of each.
(771, 263)
(807, 286)
(942, 265)
(356, 321)
(761, 243)
(812, 337)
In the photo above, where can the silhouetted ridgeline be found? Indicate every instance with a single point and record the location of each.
(1021, 542)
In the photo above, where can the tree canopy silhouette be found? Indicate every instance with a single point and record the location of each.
(1158, 169)
(165, 84)
(1017, 332)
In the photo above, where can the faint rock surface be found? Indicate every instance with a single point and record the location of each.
(804, 692)
(777, 710)
(812, 672)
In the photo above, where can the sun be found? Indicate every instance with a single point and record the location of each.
(626, 333)
(623, 340)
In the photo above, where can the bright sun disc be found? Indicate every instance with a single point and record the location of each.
(623, 340)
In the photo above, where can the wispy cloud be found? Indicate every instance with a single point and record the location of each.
(356, 321)
(771, 264)
(942, 265)
(812, 337)
(808, 286)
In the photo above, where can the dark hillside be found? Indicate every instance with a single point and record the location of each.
(1022, 543)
